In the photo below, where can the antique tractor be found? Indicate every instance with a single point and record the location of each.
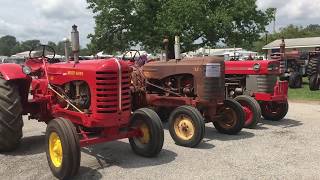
(258, 79)
(313, 70)
(83, 103)
(190, 93)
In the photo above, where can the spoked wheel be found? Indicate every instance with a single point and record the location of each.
(186, 126)
(62, 148)
(274, 111)
(233, 118)
(251, 109)
(150, 143)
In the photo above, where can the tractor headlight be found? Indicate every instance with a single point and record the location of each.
(26, 70)
(256, 67)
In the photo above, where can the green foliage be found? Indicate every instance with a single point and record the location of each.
(121, 24)
(8, 45)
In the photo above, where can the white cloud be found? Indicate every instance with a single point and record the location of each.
(47, 20)
(51, 20)
(298, 12)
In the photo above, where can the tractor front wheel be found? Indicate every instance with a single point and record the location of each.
(62, 148)
(232, 118)
(274, 111)
(150, 143)
(186, 126)
(252, 110)
(10, 116)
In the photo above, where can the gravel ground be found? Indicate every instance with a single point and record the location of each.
(289, 149)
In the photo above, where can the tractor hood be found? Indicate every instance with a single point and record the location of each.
(162, 69)
(252, 67)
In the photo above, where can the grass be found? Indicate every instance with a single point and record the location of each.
(304, 93)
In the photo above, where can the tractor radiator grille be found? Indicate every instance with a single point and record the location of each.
(266, 83)
(107, 92)
(213, 88)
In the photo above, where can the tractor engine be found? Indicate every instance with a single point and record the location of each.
(78, 93)
(182, 84)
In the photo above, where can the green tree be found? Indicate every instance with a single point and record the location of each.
(29, 44)
(124, 23)
(8, 45)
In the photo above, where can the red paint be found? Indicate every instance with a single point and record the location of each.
(102, 77)
(246, 67)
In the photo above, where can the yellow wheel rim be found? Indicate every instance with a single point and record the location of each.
(145, 138)
(184, 128)
(55, 150)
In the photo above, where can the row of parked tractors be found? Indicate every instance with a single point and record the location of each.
(295, 65)
(89, 102)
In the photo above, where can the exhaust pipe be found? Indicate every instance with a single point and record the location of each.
(75, 43)
(66, 52)
(177, 48)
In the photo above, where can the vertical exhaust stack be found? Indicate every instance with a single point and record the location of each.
(66, 52)
(177, 48)
(282, 46)
(75, 43)
(166, 48)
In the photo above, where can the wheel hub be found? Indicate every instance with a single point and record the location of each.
(55, 149)
(145, 138)
(184, 128)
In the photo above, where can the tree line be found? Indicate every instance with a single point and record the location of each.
(10, 46)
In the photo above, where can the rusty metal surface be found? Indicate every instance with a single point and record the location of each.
(206, 88)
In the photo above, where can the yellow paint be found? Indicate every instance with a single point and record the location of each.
(146, 134)
(55, 150)
(184, 128)
(75, 73)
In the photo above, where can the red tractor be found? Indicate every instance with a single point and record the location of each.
(83, 103)
(258, 79)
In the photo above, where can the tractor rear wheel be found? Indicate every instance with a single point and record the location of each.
(233, 118)
(186, 126)
(314, 82)
(274, 111)
(295, 80)
(62, 148)
(10, 116)
(150, 143)
(252, 110)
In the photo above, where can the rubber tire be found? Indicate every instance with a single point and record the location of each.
(277, 116)
(70, 145)
(11, 122)
(197, 121)
(295, 80)
(314, 82)
(254, 107)
(234, 105)
(154, 124)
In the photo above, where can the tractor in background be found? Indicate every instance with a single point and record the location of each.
(259, 80)
(313, 70)
(83, 103)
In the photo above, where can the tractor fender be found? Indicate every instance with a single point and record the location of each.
(13, 72)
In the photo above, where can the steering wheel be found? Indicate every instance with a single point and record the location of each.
(132, 55)
(44, 49)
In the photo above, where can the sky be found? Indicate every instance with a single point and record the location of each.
(51, 20)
